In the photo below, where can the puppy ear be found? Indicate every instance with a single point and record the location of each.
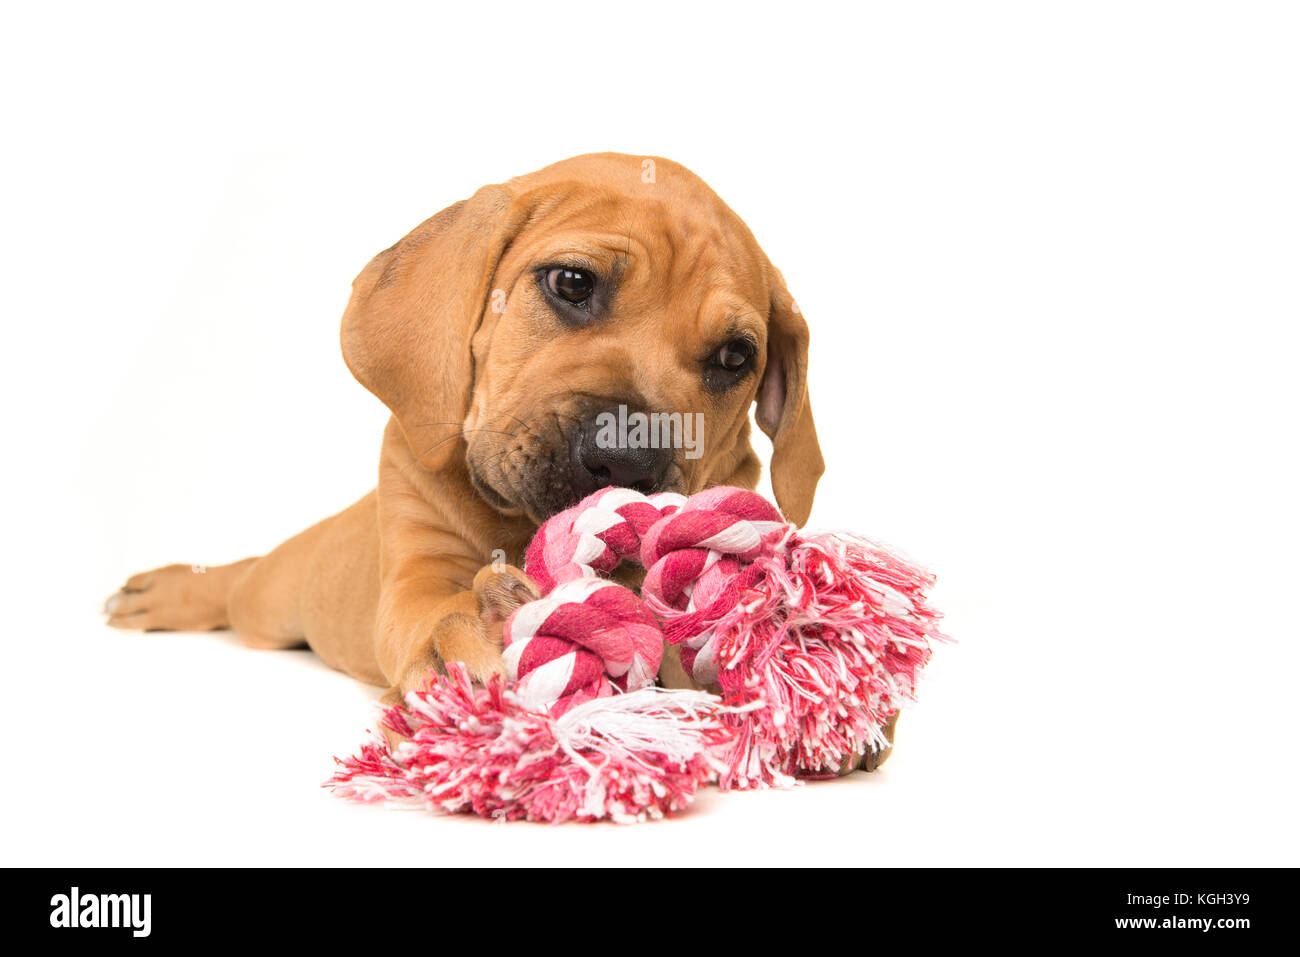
(414, 309)
(784, 411)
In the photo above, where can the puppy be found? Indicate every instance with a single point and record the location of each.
(498, 333)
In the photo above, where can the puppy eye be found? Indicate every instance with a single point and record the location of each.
(571, 285)
(734, 355)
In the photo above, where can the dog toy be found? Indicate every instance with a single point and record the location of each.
(626, 757)
(813, 641)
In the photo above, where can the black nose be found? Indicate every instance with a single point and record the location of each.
(605, 457)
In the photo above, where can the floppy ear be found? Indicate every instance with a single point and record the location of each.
(414, 309)
(784, 411)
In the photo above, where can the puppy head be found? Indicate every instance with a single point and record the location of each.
(602, 321)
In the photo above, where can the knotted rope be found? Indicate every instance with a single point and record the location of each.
(817, 638)
(587, 636)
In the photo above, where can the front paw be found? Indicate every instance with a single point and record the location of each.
(498, 591)
(476, 640)
(469, 629)
(872, 760)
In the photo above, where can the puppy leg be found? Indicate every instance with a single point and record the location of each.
(267, 602)
(264, 603)
(465, 627)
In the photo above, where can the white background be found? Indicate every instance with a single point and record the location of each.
(1049, 257)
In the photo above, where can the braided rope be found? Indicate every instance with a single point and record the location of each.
(587, 636)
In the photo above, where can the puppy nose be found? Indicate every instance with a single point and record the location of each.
(636, 466)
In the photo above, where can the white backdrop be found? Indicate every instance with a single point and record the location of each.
(1048, 253)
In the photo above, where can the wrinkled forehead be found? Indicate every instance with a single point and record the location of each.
(654, 240)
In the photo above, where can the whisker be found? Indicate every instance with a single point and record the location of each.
(461, 434)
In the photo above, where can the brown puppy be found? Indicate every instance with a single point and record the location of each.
(498, 332)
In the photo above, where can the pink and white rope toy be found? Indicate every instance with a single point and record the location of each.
(814, 641)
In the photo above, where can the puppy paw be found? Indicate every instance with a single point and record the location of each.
(171, 598)
(872, 760)
(392, 698)
(499, 590)
(471, 634)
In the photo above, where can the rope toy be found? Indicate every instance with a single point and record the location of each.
(469, 749)
(813, 641)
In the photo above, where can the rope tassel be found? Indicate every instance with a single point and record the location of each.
(469, 749)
